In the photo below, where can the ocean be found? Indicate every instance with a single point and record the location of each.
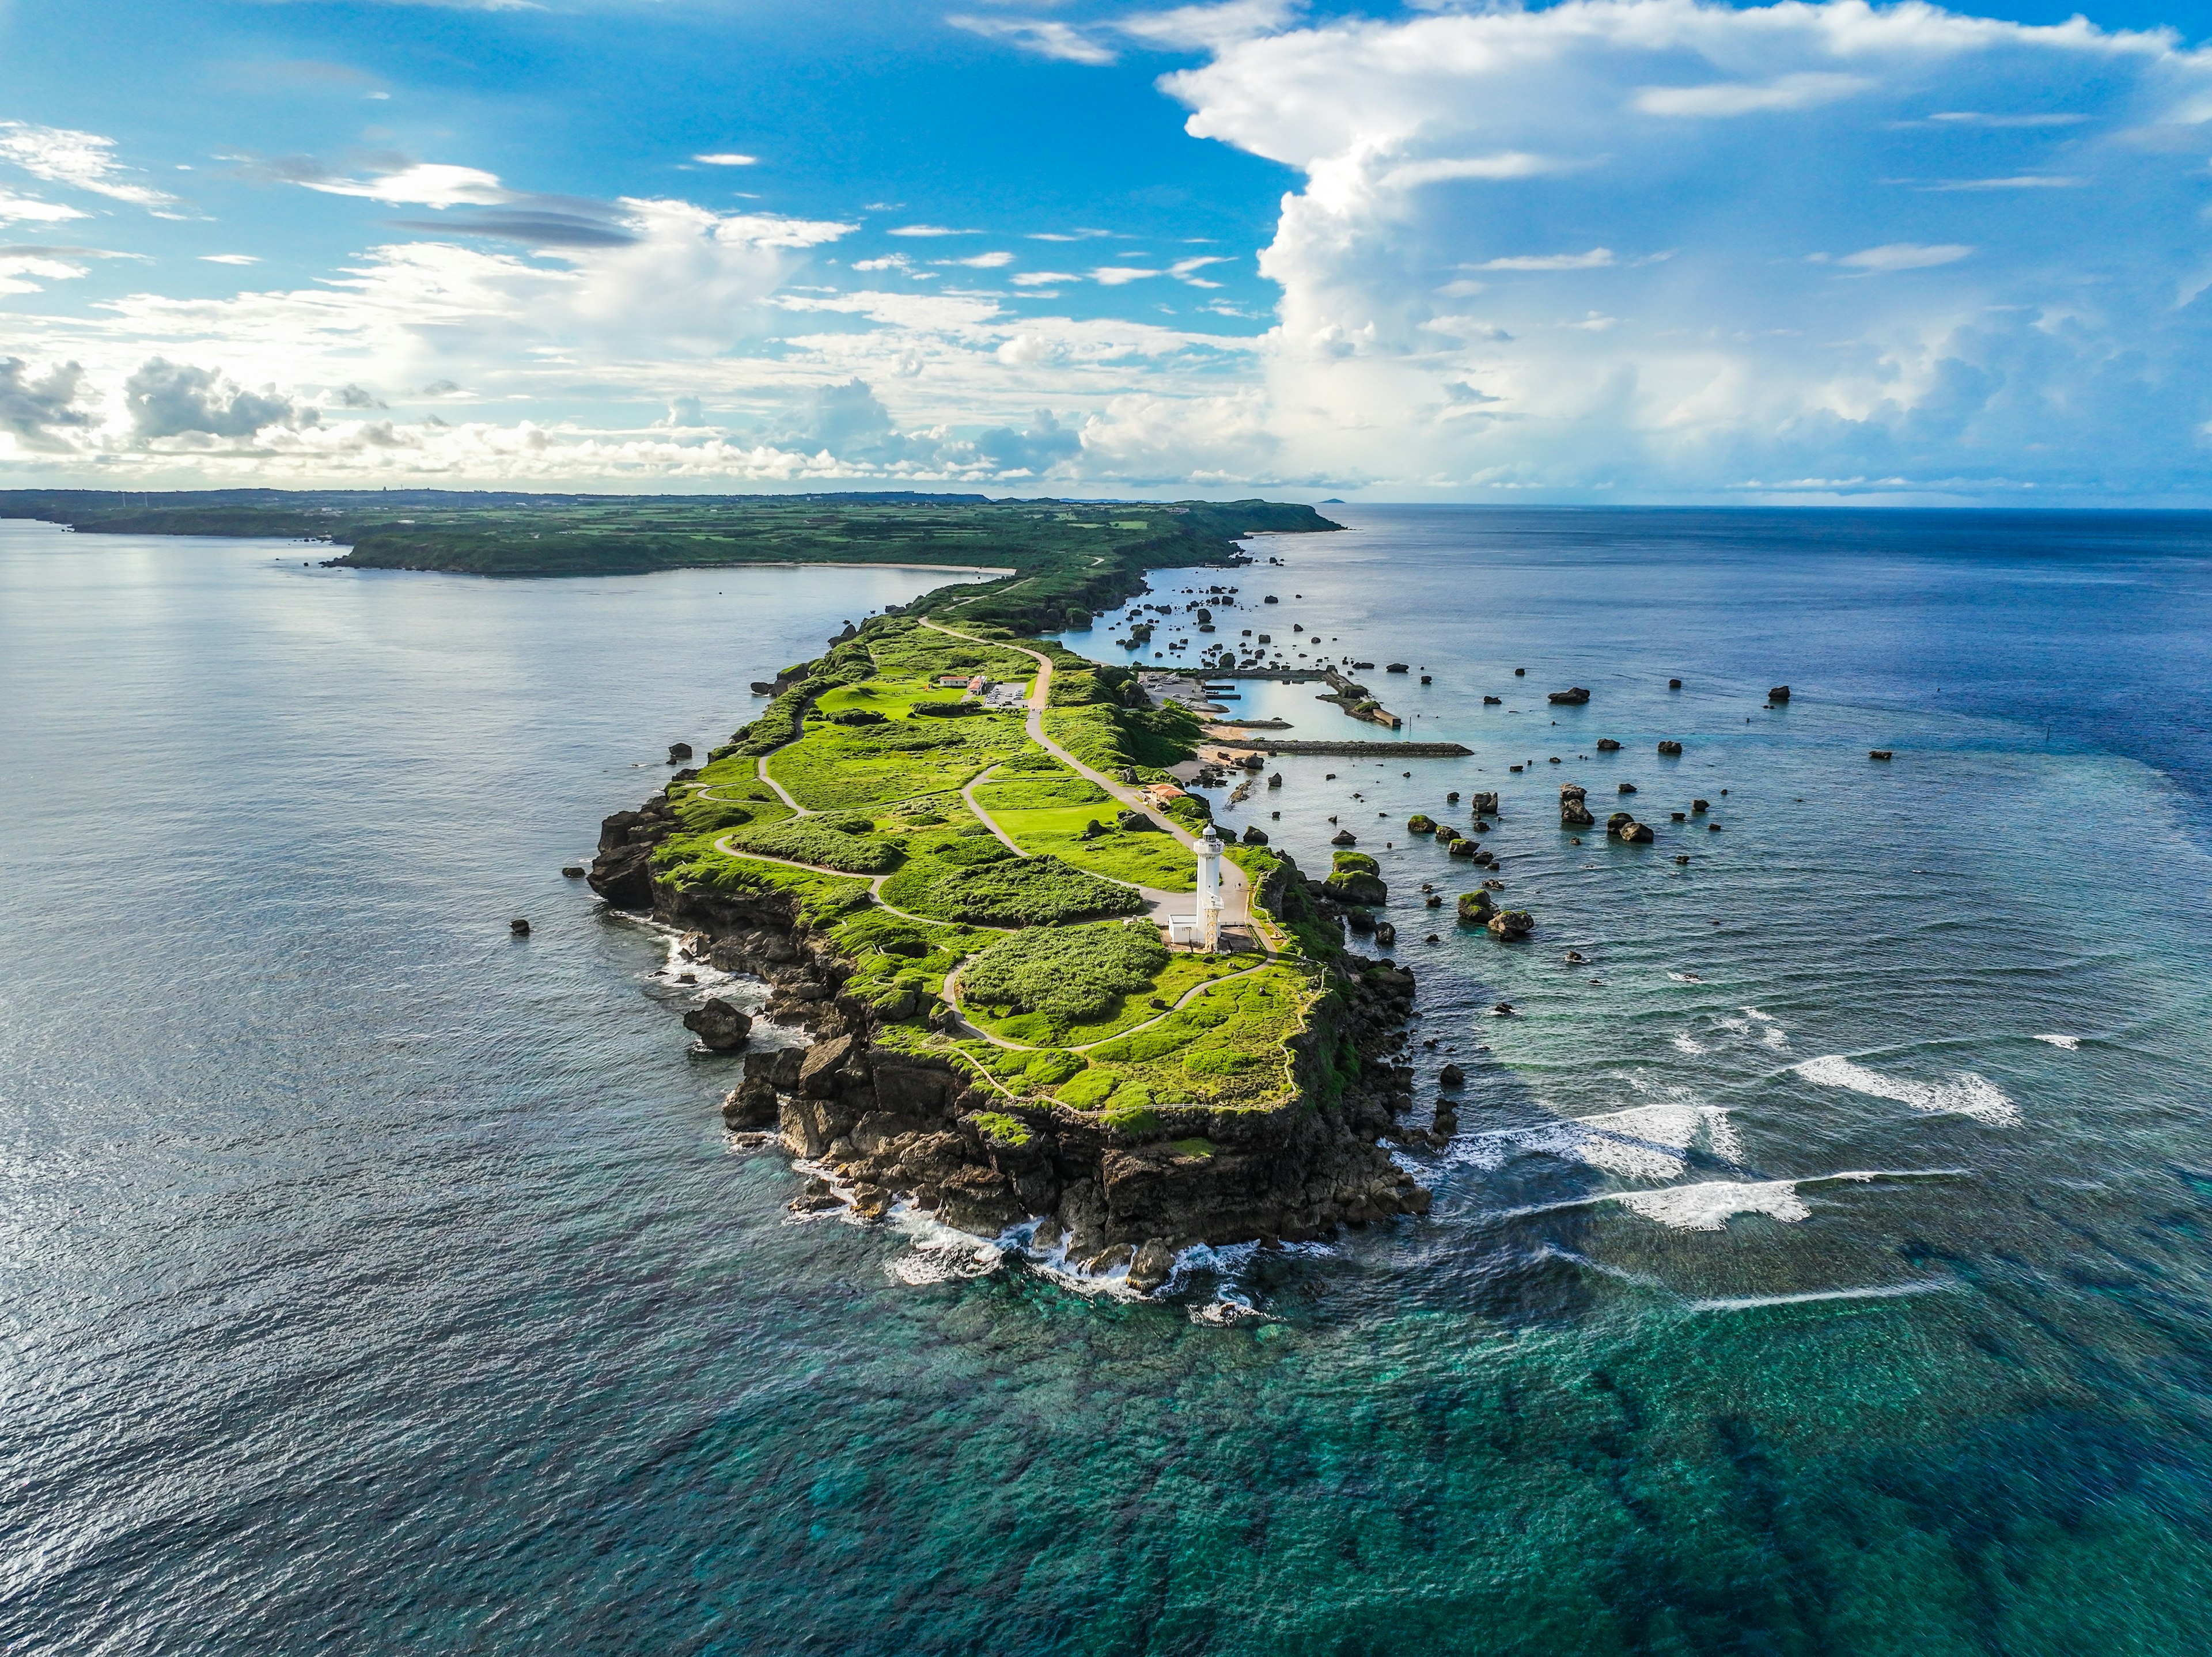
(1823, 1263)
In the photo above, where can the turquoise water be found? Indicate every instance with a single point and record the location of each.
(378, 1281)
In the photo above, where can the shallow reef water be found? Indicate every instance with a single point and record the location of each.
(1823, 1262)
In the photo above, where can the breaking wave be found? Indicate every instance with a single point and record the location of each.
(1709, 1207)
(1643, 1142)
(1964, 1095)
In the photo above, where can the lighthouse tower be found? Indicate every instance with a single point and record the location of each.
(1209, 891)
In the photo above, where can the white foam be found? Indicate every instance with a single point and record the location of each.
(1686, 978)
(1964, 1095)
(1709, 1207)
(1814, 1296)
(1771, 1033)
(1686, 1042)
(1643, 1142)
(2069, 1042)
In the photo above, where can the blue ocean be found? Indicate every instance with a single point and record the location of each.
(1823, 1263)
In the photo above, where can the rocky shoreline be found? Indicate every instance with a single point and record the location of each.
(1119, 1200)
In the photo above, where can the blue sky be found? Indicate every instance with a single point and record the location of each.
(1608, 250)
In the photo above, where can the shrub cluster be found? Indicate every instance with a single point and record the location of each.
(1031, 892)
(1075, 974)
(809, 840)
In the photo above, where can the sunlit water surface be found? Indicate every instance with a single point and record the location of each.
(1822, 1265)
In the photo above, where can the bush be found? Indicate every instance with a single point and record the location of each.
(1031, 892)
(1076, 974)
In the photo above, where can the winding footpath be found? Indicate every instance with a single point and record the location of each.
(1236, 888)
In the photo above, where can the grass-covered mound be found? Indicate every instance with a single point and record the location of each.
(1030, 892)
(1072, 974)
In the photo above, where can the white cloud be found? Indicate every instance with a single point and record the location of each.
(1904, 256)
(83, 160)
(230, 258)
(981, 262)
(421, 184)
(1040, 37)
(726, 158)
(29, 272)
(28, 210)
(1210, 26)
(1732, 359)
(2064, 352)
(1805, 90)
(2017, 181)
(1511, 164)
(1974, 118)
(1596, 259)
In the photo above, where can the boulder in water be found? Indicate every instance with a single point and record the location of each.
(1476, 908)
(1420, 823)
(519, 926)
(1153, 1263)
(678, 752)
(1779, 694)
(1877, 753)
(1451, 1076)
(1671, 748)
(719, 1026)
(1512, 924)
(1483, 804)
(1573, 696)
(1343, 837)
(1608, 745)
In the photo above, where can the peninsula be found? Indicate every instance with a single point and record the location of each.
(956, 853)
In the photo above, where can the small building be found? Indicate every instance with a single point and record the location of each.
(1160, 793)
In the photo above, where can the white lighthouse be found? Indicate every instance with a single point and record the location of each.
(1209, 891)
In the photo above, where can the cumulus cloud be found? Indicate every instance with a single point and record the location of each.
(1615, 247)
(173, 399)
(2003, 335)
(726, 158)
(35, 412)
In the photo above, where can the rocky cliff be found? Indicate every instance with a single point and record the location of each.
(883, 1122)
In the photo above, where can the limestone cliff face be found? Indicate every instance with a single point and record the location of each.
(889, 1123)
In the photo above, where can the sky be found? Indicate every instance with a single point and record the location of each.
(1599, 250)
